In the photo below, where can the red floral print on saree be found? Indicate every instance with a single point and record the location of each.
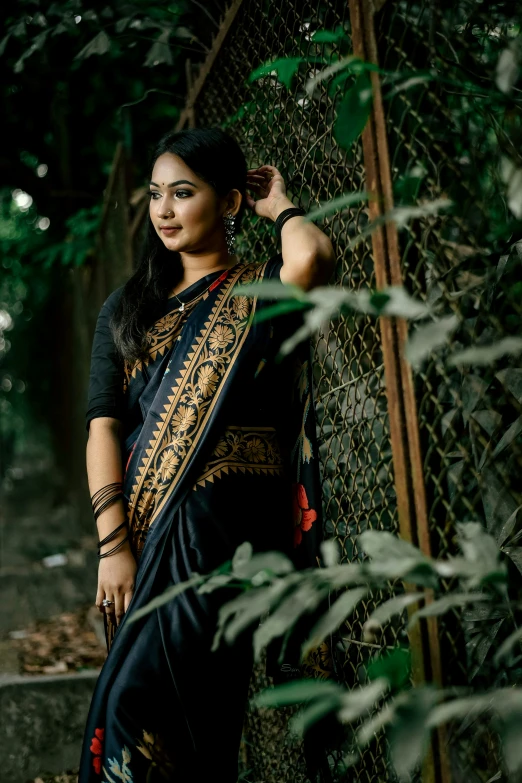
(97, 749)
(304, 517)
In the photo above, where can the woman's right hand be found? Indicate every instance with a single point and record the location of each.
(116, 575)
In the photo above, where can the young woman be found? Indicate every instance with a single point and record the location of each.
(199, 440)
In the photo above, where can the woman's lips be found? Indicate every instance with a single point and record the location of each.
(168, 230)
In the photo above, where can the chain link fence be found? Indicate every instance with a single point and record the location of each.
(445, 121)
(445, 136)
(288, 129)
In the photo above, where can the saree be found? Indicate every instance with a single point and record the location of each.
(225, 452)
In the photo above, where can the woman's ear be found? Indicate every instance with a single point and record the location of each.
(233, 201)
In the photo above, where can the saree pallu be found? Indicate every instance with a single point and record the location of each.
(225, 453)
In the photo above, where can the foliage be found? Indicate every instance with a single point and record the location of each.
(268, 583)
(76, 79)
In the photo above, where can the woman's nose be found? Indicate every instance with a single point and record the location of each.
(163, 210)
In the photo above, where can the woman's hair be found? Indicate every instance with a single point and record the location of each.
(218, 160)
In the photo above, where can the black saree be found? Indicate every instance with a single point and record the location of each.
(219, 448)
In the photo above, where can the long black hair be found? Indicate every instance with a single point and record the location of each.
(218, 160)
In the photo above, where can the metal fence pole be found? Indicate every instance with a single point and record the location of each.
(404, 430)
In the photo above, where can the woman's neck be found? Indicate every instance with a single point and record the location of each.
(195, 269)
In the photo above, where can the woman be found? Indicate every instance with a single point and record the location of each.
(198, 441)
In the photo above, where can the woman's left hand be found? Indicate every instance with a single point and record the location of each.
(267, 183)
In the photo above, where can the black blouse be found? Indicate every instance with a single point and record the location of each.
(106, 396)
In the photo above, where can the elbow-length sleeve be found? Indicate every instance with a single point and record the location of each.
(105, 395)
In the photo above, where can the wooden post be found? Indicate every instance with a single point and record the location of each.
(402, 407)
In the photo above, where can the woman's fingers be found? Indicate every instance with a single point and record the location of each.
(119, 607)
(100, 595)
(109, 610)
(127, 599)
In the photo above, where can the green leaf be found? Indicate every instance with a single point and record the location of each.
(354, 111)
(305, 718)
(275, 562)
(333, 618)
(515, 555)
(421, 572)
(100, 44)
(511, 379)
(472, 392)
(281, 308)
(400, 304)
(239, 613)
(335, 204)
(508, 69)
(343, 575)
(271, 289)
(512, 432)
(371, 727)
(507, 529)
(443, 605)
(168, 595)
(508, 645)
(303, 600)
(359, 701)
(483, 355)
(3, 43)
(382, 545)
(509, 707)
(411, 81)
(330, 36)
(330, 552)
(122, 23)
(479, 548)
(479, 644)
(427, 338)
(343, 64)
(214, 583)
(242, 556)
(408, 734)
(394, 667)
(160, 53)
(284, 67)
(297, 692)
(469, 706)
(393, 606)
(497, 499)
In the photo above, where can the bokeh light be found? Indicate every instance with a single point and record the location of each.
(22, 199)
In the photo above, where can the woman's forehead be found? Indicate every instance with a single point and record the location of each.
(169, 167)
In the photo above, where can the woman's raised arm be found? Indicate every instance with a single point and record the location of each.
(308, 254)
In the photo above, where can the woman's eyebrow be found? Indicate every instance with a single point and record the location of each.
(178, 182)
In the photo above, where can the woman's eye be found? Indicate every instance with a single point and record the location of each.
(153, 194)
(184, 192)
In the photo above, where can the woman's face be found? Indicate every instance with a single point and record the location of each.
(185, 211)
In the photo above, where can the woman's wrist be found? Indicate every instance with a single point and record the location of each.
(279, 205)
(114, 542)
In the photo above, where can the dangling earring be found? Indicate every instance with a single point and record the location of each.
(229, 221)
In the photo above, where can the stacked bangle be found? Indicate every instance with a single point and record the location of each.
(100, 501)
(115, 548)
(105, 497)
(285, 215)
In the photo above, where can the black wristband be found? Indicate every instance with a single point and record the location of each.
(285, 215)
